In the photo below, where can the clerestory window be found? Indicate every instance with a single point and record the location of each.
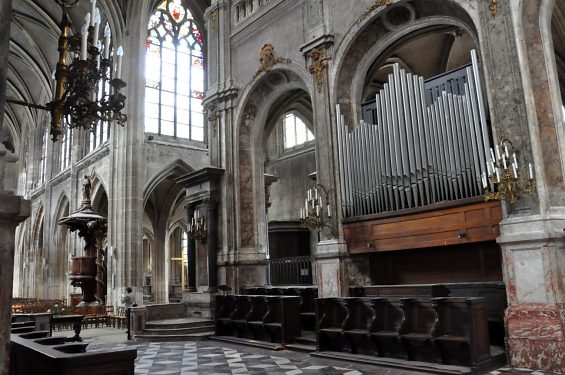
(295, 131)
(174, 73)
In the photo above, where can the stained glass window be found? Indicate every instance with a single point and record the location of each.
(174, 73)
(295, 131)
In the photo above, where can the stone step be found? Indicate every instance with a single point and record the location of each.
(178, 323)
(249, 342)
(301, 347)
(178, 331)
(181, 337)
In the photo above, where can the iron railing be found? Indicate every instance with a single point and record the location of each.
(292, 271)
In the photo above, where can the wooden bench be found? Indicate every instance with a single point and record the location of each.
(462, 332)
(419, 330)
(331, 315)
(42, 357)
(260, 317)
(385, 330)
(356, 328)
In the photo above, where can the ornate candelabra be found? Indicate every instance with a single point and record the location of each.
(504, 176)
(315, 215)
(88, 83)
(197, 227)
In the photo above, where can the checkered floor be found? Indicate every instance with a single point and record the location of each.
(214, 358)
(207, 358)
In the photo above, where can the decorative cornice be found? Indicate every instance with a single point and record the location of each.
(268, 59)
(377, 4)
(492, 7)
(94, 157)
(319, 63)
(60, 177)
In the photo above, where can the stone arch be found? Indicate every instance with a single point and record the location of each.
(258, 99)
(99, 196)
(59, 258)
(547, 131)
(369, 38)
(162, 197)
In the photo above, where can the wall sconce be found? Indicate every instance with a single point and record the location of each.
(504, 176)
(315, 215)
(197, 227)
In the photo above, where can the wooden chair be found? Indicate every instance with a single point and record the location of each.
(357, 325)
(419, 330)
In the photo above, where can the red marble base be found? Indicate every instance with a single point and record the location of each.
(536, 336)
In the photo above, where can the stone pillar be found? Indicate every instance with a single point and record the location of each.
(13, 210)
(191, 250)
(210, 207)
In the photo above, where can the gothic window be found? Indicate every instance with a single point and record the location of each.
(100, 133)
(43, 157)
(295, 132)
(66, 144)
(184, 251)
(174, 73)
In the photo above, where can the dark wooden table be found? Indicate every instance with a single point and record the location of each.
(76, 320)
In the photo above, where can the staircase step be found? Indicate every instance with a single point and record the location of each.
(182, 337)
(398, 363)
(301, 347)
(177, 331)
(178, 323)
(249, 342)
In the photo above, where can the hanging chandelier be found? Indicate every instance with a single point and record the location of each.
(88, 80)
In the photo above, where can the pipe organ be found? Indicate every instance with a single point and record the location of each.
(426, 145)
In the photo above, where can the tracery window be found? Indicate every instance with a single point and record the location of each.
(174, 73)
(66, 144)
(43, 157)
(100, 133)
(295, 131)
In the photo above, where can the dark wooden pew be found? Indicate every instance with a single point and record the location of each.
(259, 317)
(419, 330)
(30, 356)
(385, 330)
(357, 325)
(331, 314)
(462, 332)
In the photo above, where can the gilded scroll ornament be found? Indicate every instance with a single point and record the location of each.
(213, 19)
(492, 7)
(375, 5)
(319, 63)
(268, 59)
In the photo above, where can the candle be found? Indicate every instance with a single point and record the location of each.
(96, 25)
(531, 171)
(497, 175)
(120, 53)
(107, 35)
(318, 211)
(497, 152)
(329, 211)
(506, 151)
(92, 8)
(306, 204)
(515, 161)
(316, 192)
(514, 169)
(83, 42)
(492, 155)
(504, 162)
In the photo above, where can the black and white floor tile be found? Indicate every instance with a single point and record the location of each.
(212, 358)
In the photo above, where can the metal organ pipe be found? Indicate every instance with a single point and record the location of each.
(427, 145)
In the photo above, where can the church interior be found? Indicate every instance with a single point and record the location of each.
(372, 181)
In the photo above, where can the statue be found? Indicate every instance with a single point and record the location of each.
(86, 187)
